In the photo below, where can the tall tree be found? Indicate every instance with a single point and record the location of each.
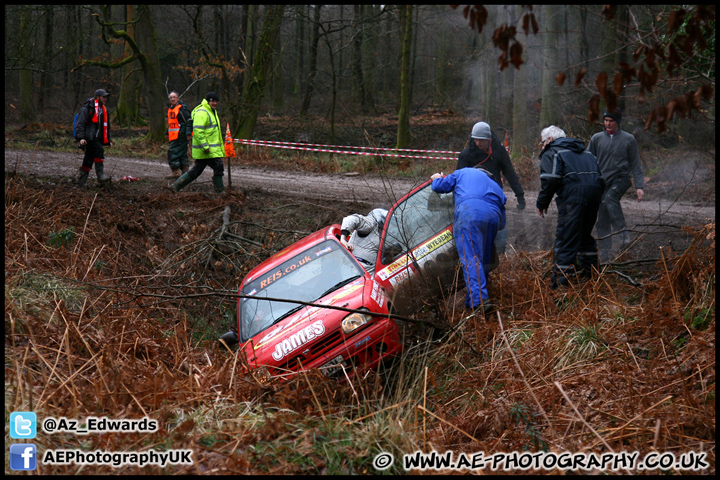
(46, 77)
(127, 111)
(403, 131)
(27, 103)
(358, 82)
(254, 90)
(312, 68)
(550, 104)
(519, 109)
(144, 50)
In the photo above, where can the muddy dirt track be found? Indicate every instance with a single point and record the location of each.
(656, 217)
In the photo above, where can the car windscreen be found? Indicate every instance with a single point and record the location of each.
(306, 277)
(422, 215)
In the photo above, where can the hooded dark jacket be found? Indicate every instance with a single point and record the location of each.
(498, 162)
(89, 130)
(568, 170)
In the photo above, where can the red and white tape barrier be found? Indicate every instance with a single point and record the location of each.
(293, 146)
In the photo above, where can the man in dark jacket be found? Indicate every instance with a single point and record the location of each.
(571, 172)
(179, 133)
(93, 132)
(485, 150)
(619, 159)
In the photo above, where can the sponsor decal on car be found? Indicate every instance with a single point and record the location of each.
(323, 251)
(401, 264)
(377, 294)
(297, 340)
(311, 312)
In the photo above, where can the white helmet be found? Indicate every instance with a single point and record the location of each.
(481, 131)
(379, 215)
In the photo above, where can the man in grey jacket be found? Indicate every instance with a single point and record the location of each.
(619, 159)
(364, 236)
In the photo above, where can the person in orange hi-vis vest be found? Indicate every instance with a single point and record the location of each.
(178, 133)
(93, 133)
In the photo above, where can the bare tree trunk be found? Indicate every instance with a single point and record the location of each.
(27, 103)
(277, 76)
(369, 55)
(128, 107)
(300, 22)
(358, 83)
(403, 132)
(150, 63)
(253, 95)
(519, 109)
(46, 81)
(310, 85)
(550, 106)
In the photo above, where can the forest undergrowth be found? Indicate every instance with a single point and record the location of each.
(113, 313)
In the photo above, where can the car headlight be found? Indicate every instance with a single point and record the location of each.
(354, 321)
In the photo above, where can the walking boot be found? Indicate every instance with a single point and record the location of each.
(181, 182)
(82, 178)
(185, 168)
(175, 174)
(100, 172)
(218, 184)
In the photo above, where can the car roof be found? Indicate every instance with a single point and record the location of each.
(292, 250)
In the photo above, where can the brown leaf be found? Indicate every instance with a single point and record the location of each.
(650, 57)
(560, 78)
(684, 42)
(627, 72)
(611, 101)
(535, 27)
(594, 110)
(649, 121)
(618, 83)
(609, 11)
(516, 54)
(670, 109)
(580, 75)
(675, 20)
(526, 23)
(637, 52)
(706, 91)
(601, 83)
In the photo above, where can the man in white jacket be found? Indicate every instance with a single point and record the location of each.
(361, 235)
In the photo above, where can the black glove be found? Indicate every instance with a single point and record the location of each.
(521, 203)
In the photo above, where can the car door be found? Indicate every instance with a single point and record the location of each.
(417, 257)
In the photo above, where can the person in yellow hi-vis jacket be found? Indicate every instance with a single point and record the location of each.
(208, 147)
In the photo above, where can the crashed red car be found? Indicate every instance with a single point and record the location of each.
(313, 305)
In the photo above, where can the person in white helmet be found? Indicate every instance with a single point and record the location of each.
(361, 235)
(485, 150)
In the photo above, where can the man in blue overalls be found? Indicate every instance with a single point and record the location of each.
(479, 214)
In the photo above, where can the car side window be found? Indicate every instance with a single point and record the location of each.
(417, 218)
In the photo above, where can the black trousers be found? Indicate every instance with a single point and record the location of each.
(93, 150)
(215, 163)
(573, 237)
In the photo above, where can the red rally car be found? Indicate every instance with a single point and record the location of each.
(313, 305)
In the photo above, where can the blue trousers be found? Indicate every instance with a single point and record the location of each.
(476, 226)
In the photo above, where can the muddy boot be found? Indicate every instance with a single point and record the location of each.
(100, 172)
(185, 168)
(218, 184)
(181, 182)
(82, 178)
(175, 174)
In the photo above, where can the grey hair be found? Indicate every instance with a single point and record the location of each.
(552, 131)
(176, 93)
